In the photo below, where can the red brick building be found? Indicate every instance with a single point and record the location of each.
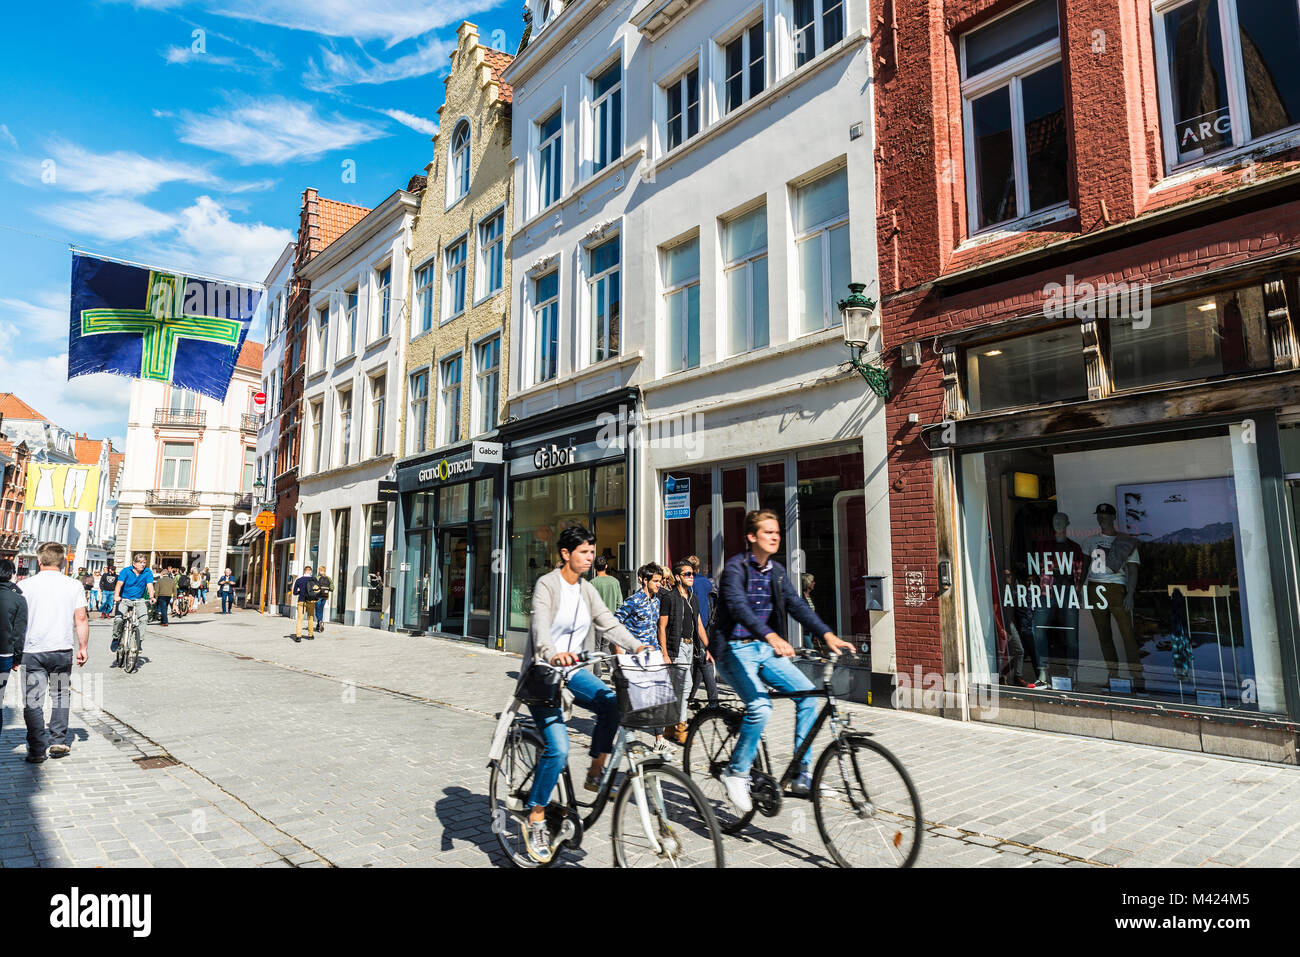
(1089, 243)
(13, 494)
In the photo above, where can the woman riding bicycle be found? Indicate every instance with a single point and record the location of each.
(566, 610)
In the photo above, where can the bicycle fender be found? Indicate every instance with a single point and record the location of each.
(857, 735)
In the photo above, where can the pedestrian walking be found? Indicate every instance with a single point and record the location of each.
(13, 627)
(610, 592)
(165, 588)
(304, 589)
(56, 621)
(226, 591)
(107, 587)
(702, 667)
(681, 630)
(639, 614)
(88, 582)
(326, 586)
(205, 581)
(133, 587)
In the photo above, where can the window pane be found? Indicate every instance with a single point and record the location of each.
(674, 115)
(840, 268)
(811, 302)
(757, 78)
(551, 125)
(548, 286)
(735, 76)
(1043, 96)
(175, 450)
(183, 473)
(1270, 42)
(995, 176)
(832, 23)
(805, 40)
(758, 277)
(746, 234)
(1010, 36)
(604, 256)
(605, 82)
(1202, 117)
(1043, 367)
(169, 473)
(675, 323)
(832, 508)
(692, 103)
(682, 262)
(693, 326)
(1208, 336)
(822, 201)
(738, 309)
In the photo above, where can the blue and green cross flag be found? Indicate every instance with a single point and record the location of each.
(150, 324)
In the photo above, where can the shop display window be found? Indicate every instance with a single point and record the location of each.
(1134, 567)
(1045, 366)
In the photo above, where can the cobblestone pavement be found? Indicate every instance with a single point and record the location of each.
(233, 746)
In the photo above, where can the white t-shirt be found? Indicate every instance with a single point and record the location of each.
(52, 597)
(572, 620)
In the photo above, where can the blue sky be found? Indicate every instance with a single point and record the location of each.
(125, 131)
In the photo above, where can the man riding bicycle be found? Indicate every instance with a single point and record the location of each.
(748, 644)
(131, 588)
(566, 610)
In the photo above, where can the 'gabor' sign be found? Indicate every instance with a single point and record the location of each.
(551, 457)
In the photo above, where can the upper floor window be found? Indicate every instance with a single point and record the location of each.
(449, 414)
(487, 383)
(418, 416)
(1041, 367)
(818, 26)
(349, 322)
(183, 400)
(345, 426)
(250, 468)
(1013, 98)
(744, 249)
(683, 97)
(681, 278)
(378, 402)
(424, 298)
(458, 179)
(320, 339)
(821, 219)
(1229, 73)
(607, 117)
(604, 288)
(453, 271)
(384, 282)
(546, 325)
(177, 464)
(489, 276)
(744, 67)
(549, 167)
(317, 434)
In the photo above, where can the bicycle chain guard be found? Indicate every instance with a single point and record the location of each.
(765, 794)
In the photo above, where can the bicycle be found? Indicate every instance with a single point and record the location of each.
(128, 646)
(182, 605)
(661, 818)
(861, 793)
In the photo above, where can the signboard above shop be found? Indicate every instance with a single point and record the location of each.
(480, 459)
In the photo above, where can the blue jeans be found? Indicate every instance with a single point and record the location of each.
(1062, 621)
(747, 666)
(226, 598)
(320, 610)
(590, 692)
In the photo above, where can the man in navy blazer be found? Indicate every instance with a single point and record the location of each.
(749, 646)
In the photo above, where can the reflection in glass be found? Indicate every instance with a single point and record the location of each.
(1029, 370)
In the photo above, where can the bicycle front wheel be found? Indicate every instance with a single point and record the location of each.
(131, 644)
(508, 789)
(710, 740)
(868, 812)
(662, 819)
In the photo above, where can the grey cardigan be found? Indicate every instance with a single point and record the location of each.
(546, 599)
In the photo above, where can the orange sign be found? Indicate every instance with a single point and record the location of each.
(266, 521)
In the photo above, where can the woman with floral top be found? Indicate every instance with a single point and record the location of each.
(639, 614)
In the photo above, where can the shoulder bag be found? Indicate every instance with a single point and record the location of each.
(541, 684)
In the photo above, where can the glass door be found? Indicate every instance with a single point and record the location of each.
(342, 580)
(455, 564)
(479, 617)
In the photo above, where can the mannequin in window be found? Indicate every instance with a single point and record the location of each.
(1057, 565)
(1112, 589)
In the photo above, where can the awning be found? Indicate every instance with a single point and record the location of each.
(253, 533)
(170, 534)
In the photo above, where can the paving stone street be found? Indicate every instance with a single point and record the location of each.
(234, 747)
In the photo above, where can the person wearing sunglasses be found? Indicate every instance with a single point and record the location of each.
(680, 628)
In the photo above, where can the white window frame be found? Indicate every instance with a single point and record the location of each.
(447, 278)
(383, 302)
(818, 28)
(320, 338)
(458, 163)
(601, 125)
(478, 401)
(448, 417)
(742, 32)
(165, 458)
(417, 441)
(679, 363)
(1238, 106)
(424, 297)
(350, 316)
(1009, 73)
(593, 280)
(484, 251)
(678, 78)
(316, 423)
(539, 306)
(345, 424)
(375, 435)
(745, 264)
(555, 145)
(830, 315)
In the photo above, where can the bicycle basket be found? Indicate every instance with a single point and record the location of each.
(649, 693)
(851, 677)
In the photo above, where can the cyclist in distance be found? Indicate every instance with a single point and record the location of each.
(131, 587)
(754, 597)
(567, 609)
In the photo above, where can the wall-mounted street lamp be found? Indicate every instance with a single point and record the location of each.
(861, 317)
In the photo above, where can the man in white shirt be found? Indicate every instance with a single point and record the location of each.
(56, 615)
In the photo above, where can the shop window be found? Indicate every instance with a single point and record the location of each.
(1222, 88)
(832, 517)
(376, 541)
(605, 299)
(688, 514)
(821, 214)
(1219, 334)
(681, 277)
(744, 246)
(453, 504)
(1131, 567)
(1013, 94)
(541, 508)
(343, 572)
(313, 538)
(1030, 370)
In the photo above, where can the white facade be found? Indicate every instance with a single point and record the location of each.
(350, 404)
(189, 465)
(48, 443)
(277, 303)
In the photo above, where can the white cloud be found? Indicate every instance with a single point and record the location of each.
(96, 404)
(110, 219)
(338, 69)
(208, 242)
(42, 320)
(388, 20)
(7, 136)
(272, 130)
(417, 123)
(182, 55)
(119, 173)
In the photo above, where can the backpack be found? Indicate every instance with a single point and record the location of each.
(314, 590)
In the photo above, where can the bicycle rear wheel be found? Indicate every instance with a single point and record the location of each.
(508, 788)
(710, 740)
(131, 642)
(662, 819)
(868, 812)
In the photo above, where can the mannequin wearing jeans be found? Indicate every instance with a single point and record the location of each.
(1112, 590)
(1057, 567)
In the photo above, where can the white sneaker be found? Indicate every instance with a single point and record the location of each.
(737, 788)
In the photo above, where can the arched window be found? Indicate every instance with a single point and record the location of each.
(460, 160)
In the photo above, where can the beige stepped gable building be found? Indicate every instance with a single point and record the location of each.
(456, 359)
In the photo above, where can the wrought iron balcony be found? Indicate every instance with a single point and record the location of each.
(192, 420)
(171, 498)
(250, 422)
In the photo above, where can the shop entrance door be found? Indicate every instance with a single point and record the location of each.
(455, 565)
(478, 621)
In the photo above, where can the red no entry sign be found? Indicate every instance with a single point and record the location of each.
(259, 399)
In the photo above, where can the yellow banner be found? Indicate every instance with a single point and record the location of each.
(62, 488)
